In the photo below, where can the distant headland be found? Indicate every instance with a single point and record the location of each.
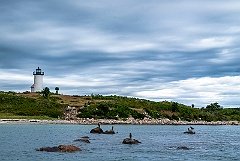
(39, 107)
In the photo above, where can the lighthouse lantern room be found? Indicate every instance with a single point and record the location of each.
(38, 81)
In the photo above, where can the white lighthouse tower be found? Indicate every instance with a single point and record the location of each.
(38, 81)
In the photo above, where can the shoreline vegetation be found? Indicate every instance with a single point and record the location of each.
(129, 121)
(53, 108)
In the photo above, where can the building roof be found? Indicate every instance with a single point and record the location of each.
(32, 86)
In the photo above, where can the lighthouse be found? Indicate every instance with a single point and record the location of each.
(38, 81)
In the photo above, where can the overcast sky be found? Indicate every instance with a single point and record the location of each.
(186, 51)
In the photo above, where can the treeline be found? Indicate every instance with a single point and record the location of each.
(114, 107)
(10, 103)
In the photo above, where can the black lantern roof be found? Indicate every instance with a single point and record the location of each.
(38, 72)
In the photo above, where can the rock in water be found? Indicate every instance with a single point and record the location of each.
(189, 132)
(83, 140)
(68, 148)
(130, 141)
(97, 130)
(60, 148)
(49, 149)
(109, 132)
(182, 148)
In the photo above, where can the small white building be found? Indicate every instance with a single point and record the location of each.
(38, 81)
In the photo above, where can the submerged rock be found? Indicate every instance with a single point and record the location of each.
(86, 140)
(60, 148)
(182, 148)
(49, 149)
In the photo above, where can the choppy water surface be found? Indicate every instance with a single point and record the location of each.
(159, 142)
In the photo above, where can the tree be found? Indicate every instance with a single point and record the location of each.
(46, 92)
(213, 107)
(57, 89)
(174, 107)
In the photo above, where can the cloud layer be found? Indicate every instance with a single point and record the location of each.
(184, 51)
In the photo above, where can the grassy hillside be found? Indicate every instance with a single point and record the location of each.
(123, 107)
(14, 105)
(108, 107)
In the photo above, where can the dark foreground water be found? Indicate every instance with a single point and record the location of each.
(159, 142)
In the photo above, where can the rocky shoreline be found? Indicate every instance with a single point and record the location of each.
(130, 121)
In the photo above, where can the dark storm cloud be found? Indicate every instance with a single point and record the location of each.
(184, 51)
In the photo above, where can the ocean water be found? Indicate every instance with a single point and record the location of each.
(159, 142)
